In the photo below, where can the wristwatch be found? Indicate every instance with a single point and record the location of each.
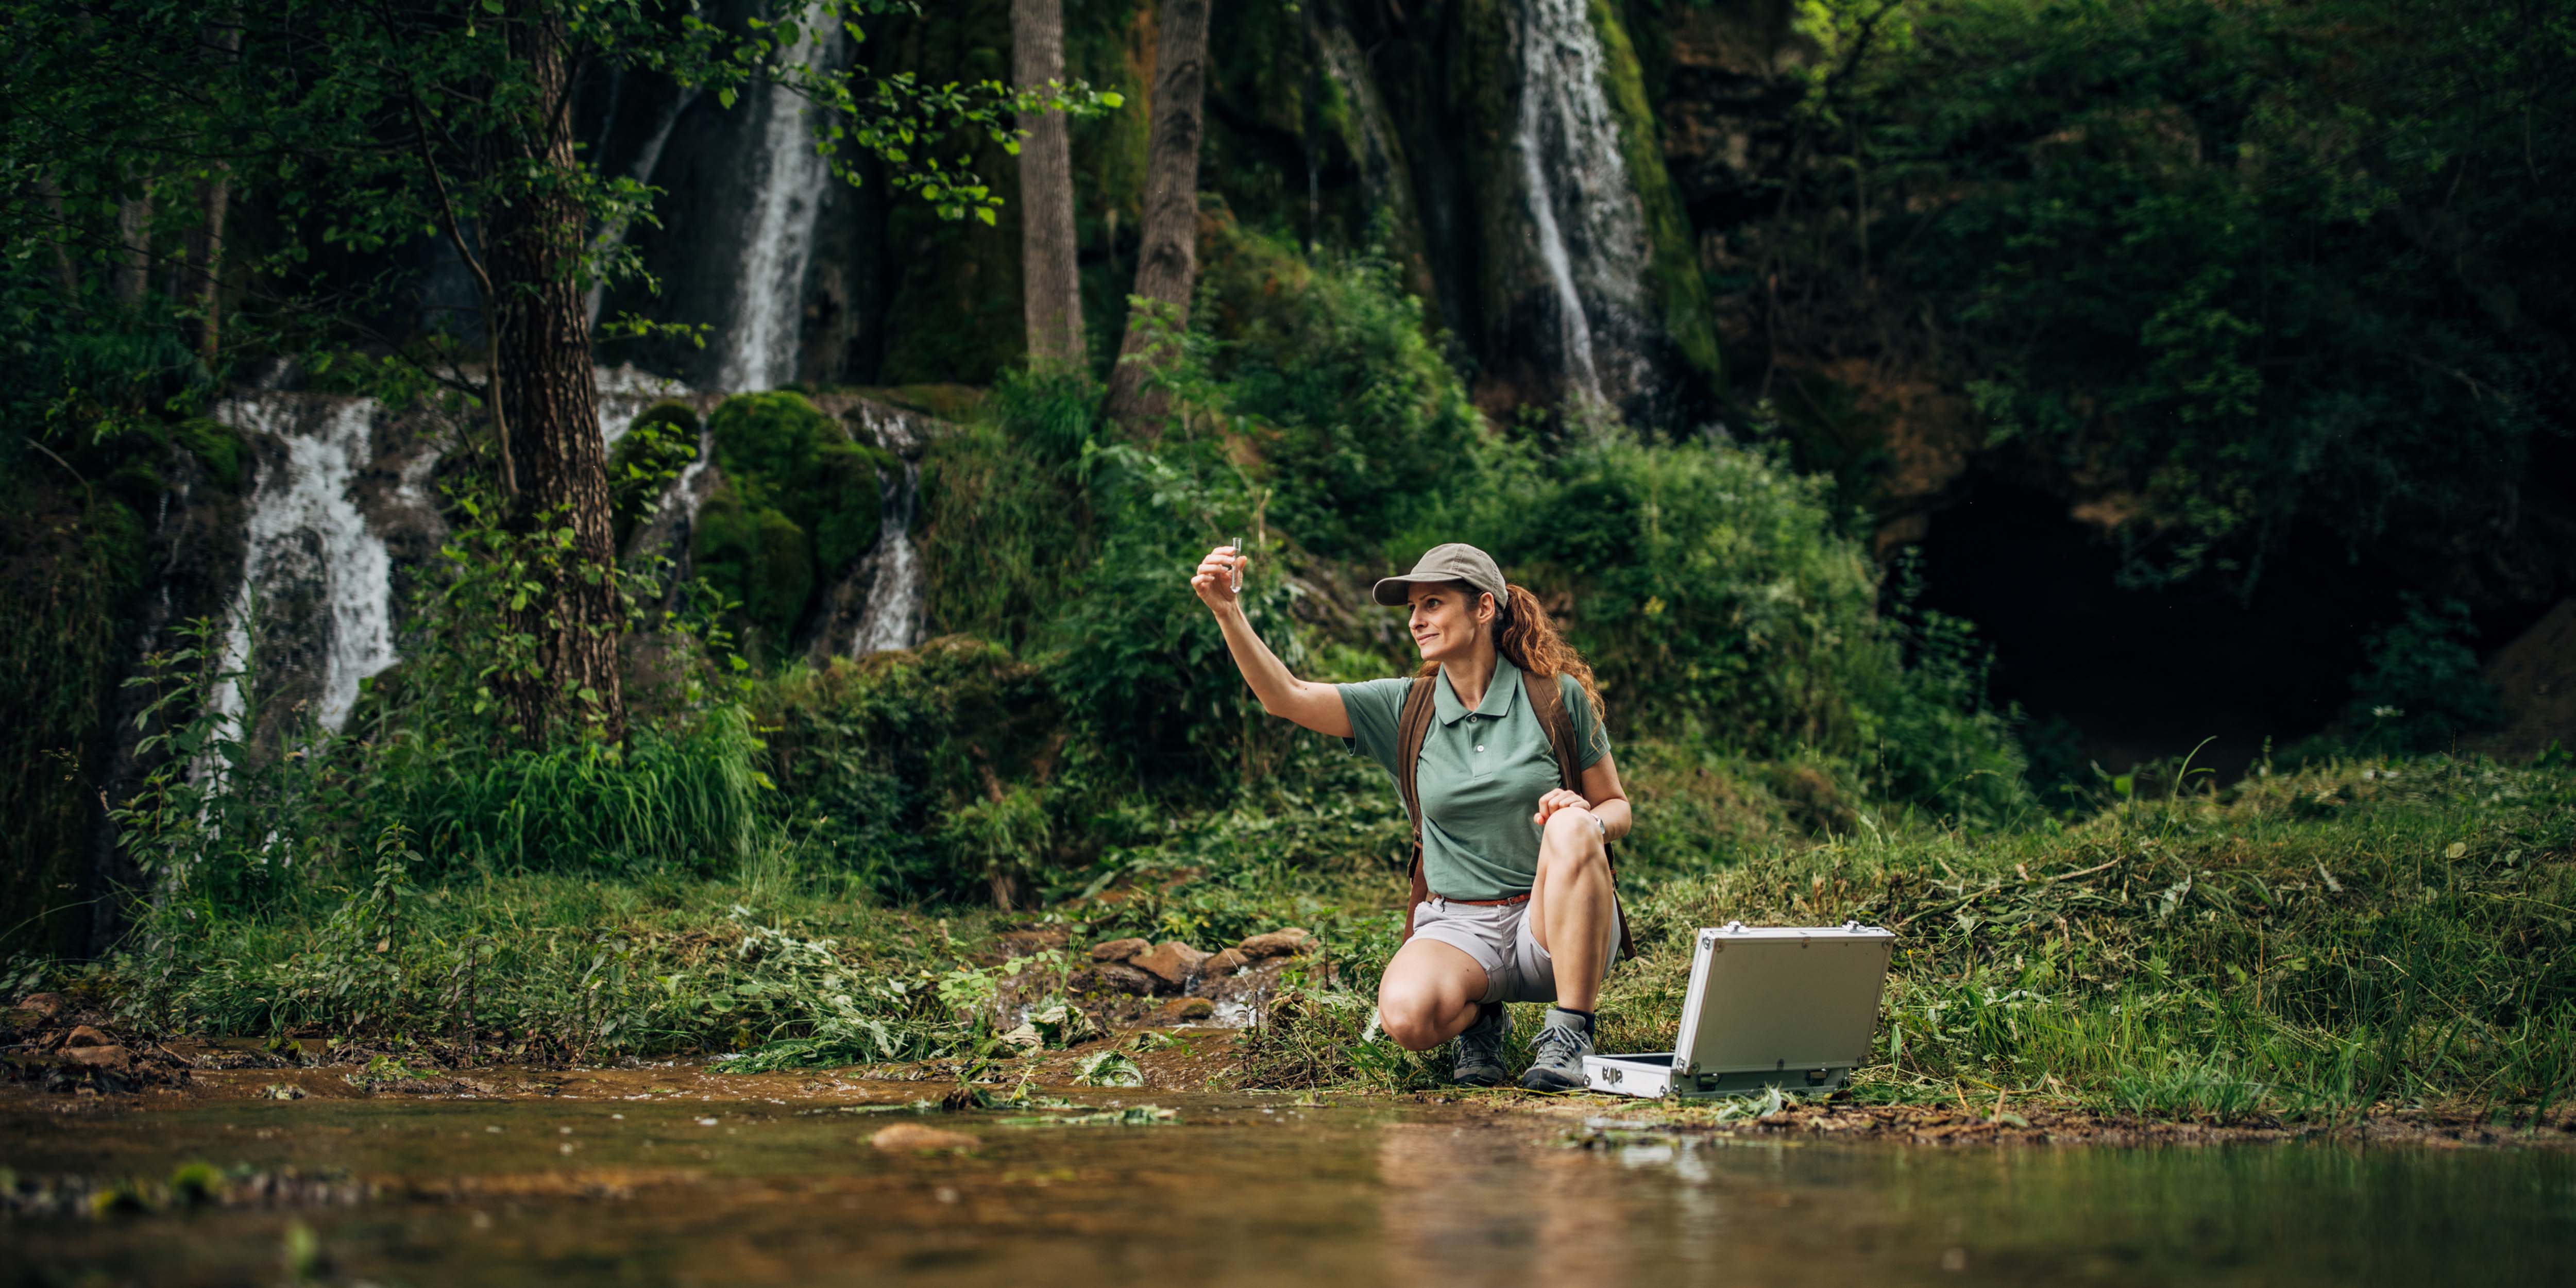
(1604, 827)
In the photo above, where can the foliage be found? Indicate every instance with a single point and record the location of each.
(1360, 422)
(922, 775)
(648, 458)
(1717, 600)
(683, 797)
(1138, 661)
(2252, 266)
(370, 126)
(73, 558)
(2424, 690)
(1002, 500)
(2367, 933)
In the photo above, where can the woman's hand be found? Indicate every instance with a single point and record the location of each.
(1214, 580)
(1556, 800)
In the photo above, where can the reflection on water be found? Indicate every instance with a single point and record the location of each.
(1248, 1190)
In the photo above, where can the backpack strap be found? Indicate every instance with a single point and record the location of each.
(1412, 725)
(1547, 701)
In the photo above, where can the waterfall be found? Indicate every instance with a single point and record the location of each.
(760, 351)
(317, 580)
(891, 571)
(1586, 218)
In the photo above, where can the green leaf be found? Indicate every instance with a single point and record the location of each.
(726, 96)
(492, 6)
(984, 213)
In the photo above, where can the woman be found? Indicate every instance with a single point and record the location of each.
(1513, 868)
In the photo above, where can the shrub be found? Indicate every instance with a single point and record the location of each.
(662, 442)
(1139, 661)
(1359, 420)
(678, 798)
(2423, 690)
(889, 767)
(1004, 522)
(1719, 603)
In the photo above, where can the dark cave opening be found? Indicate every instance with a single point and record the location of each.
(2148, 674)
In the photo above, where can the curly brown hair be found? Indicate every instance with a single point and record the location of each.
(1529, 638)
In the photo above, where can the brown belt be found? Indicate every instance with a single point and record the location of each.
(1485, 903)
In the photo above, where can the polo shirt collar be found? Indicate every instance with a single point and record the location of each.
(1498, 698)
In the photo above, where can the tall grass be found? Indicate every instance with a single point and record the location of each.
(2355, 934)
(681, 798)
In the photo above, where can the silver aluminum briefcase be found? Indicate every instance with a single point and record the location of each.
(1793, 1007)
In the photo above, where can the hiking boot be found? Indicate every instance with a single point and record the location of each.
(1480, 1048)
(1556, 1054)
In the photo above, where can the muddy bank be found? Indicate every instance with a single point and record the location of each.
(1201, 1061)
(62, 1060)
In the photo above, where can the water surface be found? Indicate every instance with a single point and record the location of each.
(1253, 1190)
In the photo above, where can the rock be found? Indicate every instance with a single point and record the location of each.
(1277, 943)
(1115, 977)
(1173, 963)
(1224, 964)
(908, 1136)
(85, 1036)
(1120, 950)
(1023, 1039)
(1181, 1010)
(1061, 1025)
(41, 1006)
(97, 1057)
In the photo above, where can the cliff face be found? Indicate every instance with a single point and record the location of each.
(1507, 152)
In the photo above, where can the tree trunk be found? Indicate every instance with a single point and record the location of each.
(542, 379)
(205, 263)
(1167, 263)
(66, 274)
(134, 250)
(1051, 290)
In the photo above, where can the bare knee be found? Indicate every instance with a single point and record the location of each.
(1411, 1017)
(1572, 851)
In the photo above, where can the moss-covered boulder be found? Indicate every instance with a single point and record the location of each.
(798, 503)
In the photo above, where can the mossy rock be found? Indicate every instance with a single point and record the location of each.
(789, 455)
(799, 503)
(758, 557)
(217, 446)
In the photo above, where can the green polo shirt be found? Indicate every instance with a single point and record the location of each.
(1481, 775)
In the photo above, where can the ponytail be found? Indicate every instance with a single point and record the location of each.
(1530, 640)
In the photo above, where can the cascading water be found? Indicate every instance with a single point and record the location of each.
(892, 571)
(1587, 221)
(317, 579)
(760, 351)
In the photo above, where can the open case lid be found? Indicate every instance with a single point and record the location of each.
(1764, 998)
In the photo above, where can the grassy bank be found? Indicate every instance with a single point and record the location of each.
(2305, 944)
(2311, 943)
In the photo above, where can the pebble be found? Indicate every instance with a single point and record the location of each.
(902, 1136)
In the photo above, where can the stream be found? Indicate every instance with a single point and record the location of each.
(712, 1183)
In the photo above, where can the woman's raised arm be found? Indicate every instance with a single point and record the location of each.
(1316, 706)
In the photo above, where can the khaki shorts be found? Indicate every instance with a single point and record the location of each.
(1498, 936)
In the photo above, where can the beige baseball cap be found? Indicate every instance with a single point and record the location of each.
(1456, 561)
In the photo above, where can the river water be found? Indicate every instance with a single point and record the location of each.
(687, 1186)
